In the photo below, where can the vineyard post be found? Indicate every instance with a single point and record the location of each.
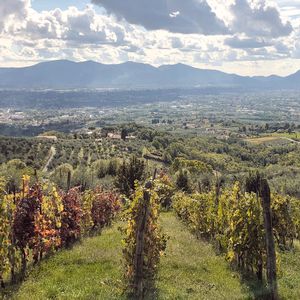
(12, 249)
(36, 176)
(69, 180)
(23, 188)
(12, 260)
(270, 244)
(140, 241)
(217, 189)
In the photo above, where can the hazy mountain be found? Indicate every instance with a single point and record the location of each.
(66, 74)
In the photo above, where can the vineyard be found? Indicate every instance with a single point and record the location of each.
(39, 220)
(234, 220)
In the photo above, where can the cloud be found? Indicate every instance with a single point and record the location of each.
(16, 9)
(63, 34)
(255, 33)
(74, 26)
(246, 43)
(282, 48)
(290, 9)
(178, 16)
(176, 42)
(258, 19)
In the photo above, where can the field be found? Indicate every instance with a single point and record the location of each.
(266, 140)
(275, 138)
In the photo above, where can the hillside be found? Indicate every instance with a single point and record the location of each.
(64, 74)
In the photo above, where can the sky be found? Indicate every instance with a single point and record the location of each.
(247, 37)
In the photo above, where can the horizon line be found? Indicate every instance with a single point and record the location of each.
(147, 64)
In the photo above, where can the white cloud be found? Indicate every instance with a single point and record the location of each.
(12, 11)
(257, 18)
(246, 43)
(174, 14)
(74, 26)
(255, 32)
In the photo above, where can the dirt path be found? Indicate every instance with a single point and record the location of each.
(290, 140)
(52, 154)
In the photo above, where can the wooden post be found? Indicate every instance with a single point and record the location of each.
(2, 285)
(218, 188)
(36, 176)
(23, 188)
(23, 262)
(69, 181)
(140, 242)
(154, 175)
(270, 244)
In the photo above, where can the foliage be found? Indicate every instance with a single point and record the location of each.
(284, 221)
(142, 233)
(104, 207)
(60, 175)
(165, 190)
(5, 240)
(128, 173)
(27, 207)
(71, 217)
(39, 220)
(193, 166)
(182, 181)
(234, 221)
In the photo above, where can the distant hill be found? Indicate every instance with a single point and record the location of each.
(64, 74)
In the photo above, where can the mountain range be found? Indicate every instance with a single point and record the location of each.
(64, 74)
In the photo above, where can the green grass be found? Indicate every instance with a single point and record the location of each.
(91, 270)
(289, 279)
(190, 269)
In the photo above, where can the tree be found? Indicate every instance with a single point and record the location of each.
(128, 174)
(182, 181)
(112, 167)
(13, 171)
(124, 134)
(60, 175)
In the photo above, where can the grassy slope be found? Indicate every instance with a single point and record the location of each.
(289, 281)
(189, 270)
(91, 270)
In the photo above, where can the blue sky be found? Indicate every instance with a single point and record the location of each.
(40, 5)
(248, 37)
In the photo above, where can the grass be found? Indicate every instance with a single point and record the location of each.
(190, 269)
(264, 140)
(292, 135)
(274, 138)
(91, 270)
(289, 280)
